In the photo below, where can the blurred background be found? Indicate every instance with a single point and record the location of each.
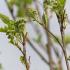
(36, 48)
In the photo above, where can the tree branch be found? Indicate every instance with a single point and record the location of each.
(40, 55)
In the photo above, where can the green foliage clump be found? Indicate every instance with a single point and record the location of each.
(14, 29)
(22, 59)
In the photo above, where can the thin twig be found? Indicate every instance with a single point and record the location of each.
(61, 20)
(19, 48)
(24, 51)
(48, 31)
(63, 47)
(11, 11)
(40, 55)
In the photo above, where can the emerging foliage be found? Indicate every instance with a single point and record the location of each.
(14, 29)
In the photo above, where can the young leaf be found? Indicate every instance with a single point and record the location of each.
(6, 19)
(31, 13)
(22, 59)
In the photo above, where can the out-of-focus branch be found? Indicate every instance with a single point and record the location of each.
(36, 28)
(58, 57)
(11, 11)
(40, 55)
(60, 64)
(49, 48)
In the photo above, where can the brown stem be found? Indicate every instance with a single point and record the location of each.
(24, 51)
(26, 63)
(63, 46)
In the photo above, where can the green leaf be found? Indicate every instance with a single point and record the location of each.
(20, 23)
(6, 19)
(22, 59)
(31, 13)
(57, 5)
(62, 3)
(3, 29)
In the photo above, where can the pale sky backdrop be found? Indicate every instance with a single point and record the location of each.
(9, 56)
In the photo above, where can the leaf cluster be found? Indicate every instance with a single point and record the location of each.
(14, 29)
